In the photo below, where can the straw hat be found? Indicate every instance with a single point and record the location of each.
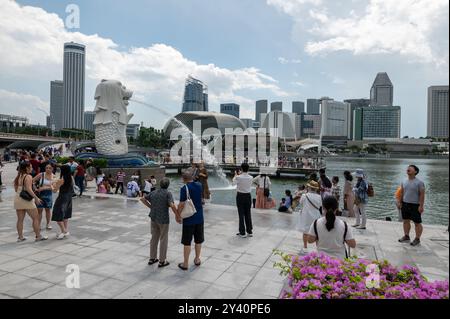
(313, 185)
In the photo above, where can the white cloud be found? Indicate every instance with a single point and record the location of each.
(13, 103)
(298, 83)
(416, 29)
(283, 60)
(31, 46)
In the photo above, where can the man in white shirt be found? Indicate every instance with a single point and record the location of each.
(243, 182)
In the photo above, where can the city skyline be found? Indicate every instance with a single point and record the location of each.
(154, 64)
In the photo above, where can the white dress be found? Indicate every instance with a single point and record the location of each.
(308, 213)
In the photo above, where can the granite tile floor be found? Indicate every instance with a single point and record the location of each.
(109, 242)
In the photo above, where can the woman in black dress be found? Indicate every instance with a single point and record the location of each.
(62, 209)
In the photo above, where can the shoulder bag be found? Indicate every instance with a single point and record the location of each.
(24, 193)
(189, 208)
(312, 204)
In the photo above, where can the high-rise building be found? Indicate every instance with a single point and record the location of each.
(73, 83)
(377, 122)
(382, 91)
(89, 117)
(56, 105)
(311, 124)
(298, 107)
(133, 130)
(230, 108)
(335, 119)
(313, 106)
(195, 95)
(276, 106)
(354, 104)
(437, 112)
(261, 107)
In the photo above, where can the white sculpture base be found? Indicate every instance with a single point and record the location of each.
(111, 138)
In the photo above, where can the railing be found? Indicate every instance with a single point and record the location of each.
(15, 135)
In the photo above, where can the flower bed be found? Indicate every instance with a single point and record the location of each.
(318, 276)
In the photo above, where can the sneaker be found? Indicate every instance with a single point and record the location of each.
(415, 242)
(49, 227)
(404, 239)
(356, 225)
(21, 239)
(60, 236)
(41, 238)
(242, 236)
(66, 234)
(250, 235)
(360, 227)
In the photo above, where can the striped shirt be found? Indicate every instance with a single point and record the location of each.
(120, 177)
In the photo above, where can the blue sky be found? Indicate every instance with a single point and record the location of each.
(281, 50)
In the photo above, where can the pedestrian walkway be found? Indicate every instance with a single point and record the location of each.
(110, 243)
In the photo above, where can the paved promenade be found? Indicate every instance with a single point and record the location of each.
(110, 243)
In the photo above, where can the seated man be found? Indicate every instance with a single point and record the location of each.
(133, 188)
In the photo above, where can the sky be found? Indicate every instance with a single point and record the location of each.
(244, 50)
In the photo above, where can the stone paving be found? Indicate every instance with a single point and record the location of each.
(110, 243)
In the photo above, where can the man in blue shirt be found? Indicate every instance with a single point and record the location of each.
(192, 226)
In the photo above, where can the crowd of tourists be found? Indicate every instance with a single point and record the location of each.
(43, 185)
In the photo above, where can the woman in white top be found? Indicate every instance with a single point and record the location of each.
(331, 233)
(310, 204)
(262, 182)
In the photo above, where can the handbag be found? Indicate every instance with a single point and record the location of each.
(24, 193)
(189, 208)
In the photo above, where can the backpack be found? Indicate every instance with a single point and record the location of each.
(370, 191)
(347, 253)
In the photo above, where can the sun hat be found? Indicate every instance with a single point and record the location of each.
(313, 185)
(359, 172)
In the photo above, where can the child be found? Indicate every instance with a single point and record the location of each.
(398, 200)
(335, 188)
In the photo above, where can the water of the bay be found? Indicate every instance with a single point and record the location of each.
(385, 174)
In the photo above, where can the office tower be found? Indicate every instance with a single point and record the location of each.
(73, 83)
(313, 106)
(336, 119)
(89, 117)
(298, 107)
(437, 111)
(311, 124)
(355, 104)
(56, 105)
(276, 106)
(382, 91)
(230, 108)
(132, 130)
(195, 95)
(377, 122)
(261, 107)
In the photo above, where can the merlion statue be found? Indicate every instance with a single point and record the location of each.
(111, 117)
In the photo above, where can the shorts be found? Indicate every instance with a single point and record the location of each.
(411, 212)
(190, 231)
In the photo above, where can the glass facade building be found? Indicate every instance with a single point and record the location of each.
(312, 106)
(377, 122)
(261, 107)
(195, 96)
(437, 112)
(230, 108)
(382, 91)
(56, 105)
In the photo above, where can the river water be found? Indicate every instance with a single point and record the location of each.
(385, 174)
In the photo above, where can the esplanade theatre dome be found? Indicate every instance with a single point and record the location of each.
(208, 119)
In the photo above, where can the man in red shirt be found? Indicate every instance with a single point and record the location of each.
(35, 164)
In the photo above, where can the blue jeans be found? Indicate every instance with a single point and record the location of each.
(79, 181)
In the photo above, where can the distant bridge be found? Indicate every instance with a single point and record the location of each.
(25, 141)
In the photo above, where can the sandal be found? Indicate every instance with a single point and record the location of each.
(152, 261)
(21, 239)
(163, 264)
(198, 263)
(180, 265)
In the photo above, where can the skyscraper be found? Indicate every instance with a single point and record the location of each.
(336, 119)
(382, 91)
(89, 117)
(56, 105)
(73, 78)
(261, 107)
(195, 95)
(313, 106)
(355, 104)
(377, 122)
(230, 108)
(276, 106)
(437, 111)
(298, 107)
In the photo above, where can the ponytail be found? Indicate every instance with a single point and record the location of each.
(330, 205)
(330, 218)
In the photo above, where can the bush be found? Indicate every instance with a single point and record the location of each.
(318, 276)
